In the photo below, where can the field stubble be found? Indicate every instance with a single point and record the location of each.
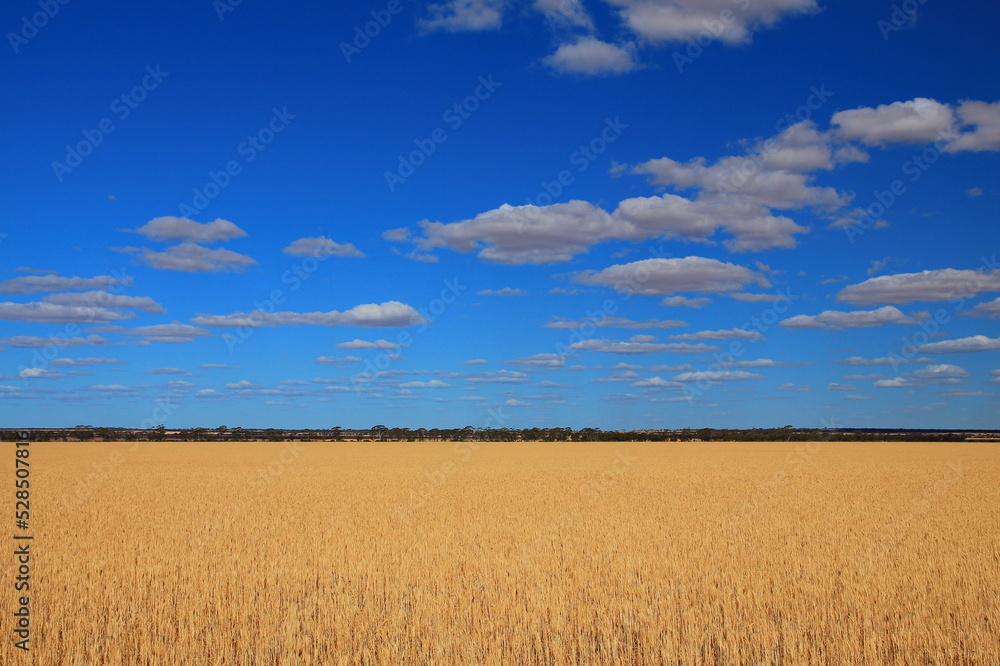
(526, 553)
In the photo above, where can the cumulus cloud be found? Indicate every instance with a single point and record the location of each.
(941, 371)
(525, 234)
(634, 346)
(669, 276)
(936, 285)
(191, 258)
(335, 360)
(591, 56)
(49, 313)
(540, 361)
(858, 361)
(33, 284)
(961, 345)
(398, 235)
(685, 302)
(984, 119)
(322, 246)
(390, 314)
(729, 334)
(679, 20)
(463, 15)
(506, 291)
(475, 361)
(834, 386)
(764, 363)
(364, 344)
(919, 120)
(896, 382)
(173, 333)
(613, 322)
(103, 299)
(754, 298)
(181, 229)
(433, 383)
(656, 382)
(168, 371)
(85, 362)
(989, 309)
(32, 341)
(836, 320)
(717, 376)
(499, 377)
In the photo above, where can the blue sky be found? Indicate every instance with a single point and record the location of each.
(607, 213)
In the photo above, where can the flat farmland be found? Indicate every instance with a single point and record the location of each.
(501, 553)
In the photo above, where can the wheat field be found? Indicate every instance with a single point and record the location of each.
(524, 553)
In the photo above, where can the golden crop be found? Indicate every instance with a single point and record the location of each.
(526, 553)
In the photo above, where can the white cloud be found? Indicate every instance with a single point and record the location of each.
(499, 377)
(655, 382)
(834, 386)
(243, 385)
(49, 313)
(433, 383)
(506, 291)
(364, 344)
(941, 371)
(971, 344)
(989, 309)
(836, 320)
(717, 376)
(181, 229)
(219, 366)
(33, 284)
(322, 247)
(85, 362)
(512, 402)
(32, 341)
(937, 285)
(191, 258)
(754, 298)
(463, 15)
(390, 314)
(173, 333)
(638, 347)
(614, 322)
(919, 120)
(764, 363)
(858, 361)
(475, 361)
(985, 118)
(397, 235)
(526, 234)
(591, 56)
(540, 361)
(334, 360)
(168, 371)
(685, 302)
(896, 382)
(731, 22)
(669, 276)
(39, 373)
(103, 299)
(729, 334)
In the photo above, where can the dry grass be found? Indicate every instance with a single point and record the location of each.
(526, 554)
